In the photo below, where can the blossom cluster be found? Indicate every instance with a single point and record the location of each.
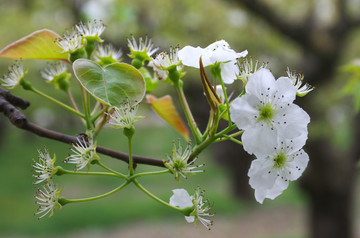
(275, 130)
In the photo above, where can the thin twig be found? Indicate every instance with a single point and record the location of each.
(18, 119)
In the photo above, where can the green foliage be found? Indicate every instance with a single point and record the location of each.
(352, 86)
(112, 85)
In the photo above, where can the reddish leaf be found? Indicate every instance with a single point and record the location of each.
(38, 45)
(165, 108)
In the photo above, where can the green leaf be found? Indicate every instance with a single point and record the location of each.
(111, 85)
(166, 109)
(38, 45)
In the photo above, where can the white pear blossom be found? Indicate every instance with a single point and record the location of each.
(161, 74)
(92, 29)
(84, 153)
(144, 49)
(297, 80)
(53, 71)
(45, 167)
(164, 60)
(107, 53)
(48, 200)
(70, 42)
(15, 75)
(124, 116)
(276, 165)
(247, 68)
(182, 199)
(178, 163)
(217, 52)
(266, 111)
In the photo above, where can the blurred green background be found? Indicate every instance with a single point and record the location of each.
(130, 213)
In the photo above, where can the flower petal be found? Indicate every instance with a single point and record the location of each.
(259, 140)
(229, 71)
(279, 186)
(242, 113)
(181, 198)
(190, 56)
(190, 219)
(261, 174)
(260, 82)
(298, 165)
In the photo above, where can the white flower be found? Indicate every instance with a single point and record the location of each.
(161, 74)
(178, 163)
(271, 172)
(124, 116)
(266, 111)
(145, 49)
(182, 199)
(15, 75)
(91, 29)
(107, 53)
(70, 42)
(297, 81)
(84, 153)
(217, 52)
(45, 167)
(165, 61)
(54, 70)
(247, 68)
(48, 200)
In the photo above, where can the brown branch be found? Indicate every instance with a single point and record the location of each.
(18, 119)
(14, 100)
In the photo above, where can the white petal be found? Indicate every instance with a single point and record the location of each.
(260, 82)
(261, 174)
(217, 44)
(279, 186)
(242, 113)
(229, 71)
(292, 121)
(259, 140)
(298, 165)
(220, 93)
(181, 198)
(222, 54)
(190, 219)
(286, 91)
(190, 56)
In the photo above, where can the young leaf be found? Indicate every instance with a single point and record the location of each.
(111, 85)
(209, 90)
(38, 45)
(165, 108)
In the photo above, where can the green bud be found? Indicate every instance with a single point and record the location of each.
(151, 83)
(63, 82)
(129, 132)
(90, 46)
(26, 84)
(174, 75)
(137, 63)
(77, 54)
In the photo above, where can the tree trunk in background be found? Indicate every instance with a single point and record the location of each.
(237, 161)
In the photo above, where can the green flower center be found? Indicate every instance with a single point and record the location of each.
(179, 164)
(279, 160)
(266, 113)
